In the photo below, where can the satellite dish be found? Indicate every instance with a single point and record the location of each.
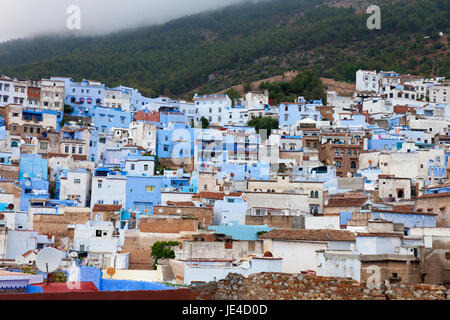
(11, 206)
(245, 265)
(73, 254)
(48, 259)
(111, 271)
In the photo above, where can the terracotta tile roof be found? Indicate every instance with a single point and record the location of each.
(404, 212)
(403, 207)
(29, 251)
(434, 195)
(309, 235)
(447, 184)
(106, 207)
(146, 116)
(346, 202)
(216, 195)
(180, 203)
(379, 234)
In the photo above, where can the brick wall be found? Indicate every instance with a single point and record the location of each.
(57, 224)
(285, 286)
(202, 214)
(173, 224)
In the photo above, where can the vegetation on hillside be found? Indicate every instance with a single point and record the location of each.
(213, 51)
(267, 123)
(306, 84)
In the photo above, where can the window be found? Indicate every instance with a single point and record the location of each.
(77, 181)
(149, 188)
(98, 233)
(99, 183)
(353, 165)
(145, 167)
(74, 149)
(66, 149)
(338, 164)
(133, 166)
(80, 150)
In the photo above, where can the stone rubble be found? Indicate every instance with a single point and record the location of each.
(285, 286)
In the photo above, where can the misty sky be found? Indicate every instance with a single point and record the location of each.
(25, 18)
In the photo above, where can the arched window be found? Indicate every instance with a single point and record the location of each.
(316, 194)
(400, 194)
(312, 194)
(338, 164)
(353, 165)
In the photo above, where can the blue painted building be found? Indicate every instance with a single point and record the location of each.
(291, 113)
(32, 166)
(385, 144)
(409, 219)
(83, 96)
(175, 141)
(106, 118)
(240, 231)
(142, 193)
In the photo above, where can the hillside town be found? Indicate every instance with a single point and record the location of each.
(143, 193)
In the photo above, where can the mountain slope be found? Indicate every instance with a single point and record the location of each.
(216, 50)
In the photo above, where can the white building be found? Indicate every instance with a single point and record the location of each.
(229, 209)
(212, 107)
(143, 134)
(298, 247)
(439, 93)
(367, 80)
(10, 94)
(256, 100)
(76, 185)
(206, 270)
(102, 242)
(140, 166)
(117, 98)
(52, 94)
(109, 189)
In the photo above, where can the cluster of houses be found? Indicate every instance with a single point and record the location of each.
(342, 188)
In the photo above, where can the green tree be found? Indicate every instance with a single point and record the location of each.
(267, 123)
(248, 86)
(205, 122)
(162, 250)
(235, 96)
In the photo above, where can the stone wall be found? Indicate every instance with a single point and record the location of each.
(285, 286)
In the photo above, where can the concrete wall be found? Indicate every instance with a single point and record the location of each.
(297, 255)
(322, 222)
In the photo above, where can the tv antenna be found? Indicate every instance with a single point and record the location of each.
(48, 260)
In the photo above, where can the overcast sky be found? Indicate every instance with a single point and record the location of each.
(25, 18)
